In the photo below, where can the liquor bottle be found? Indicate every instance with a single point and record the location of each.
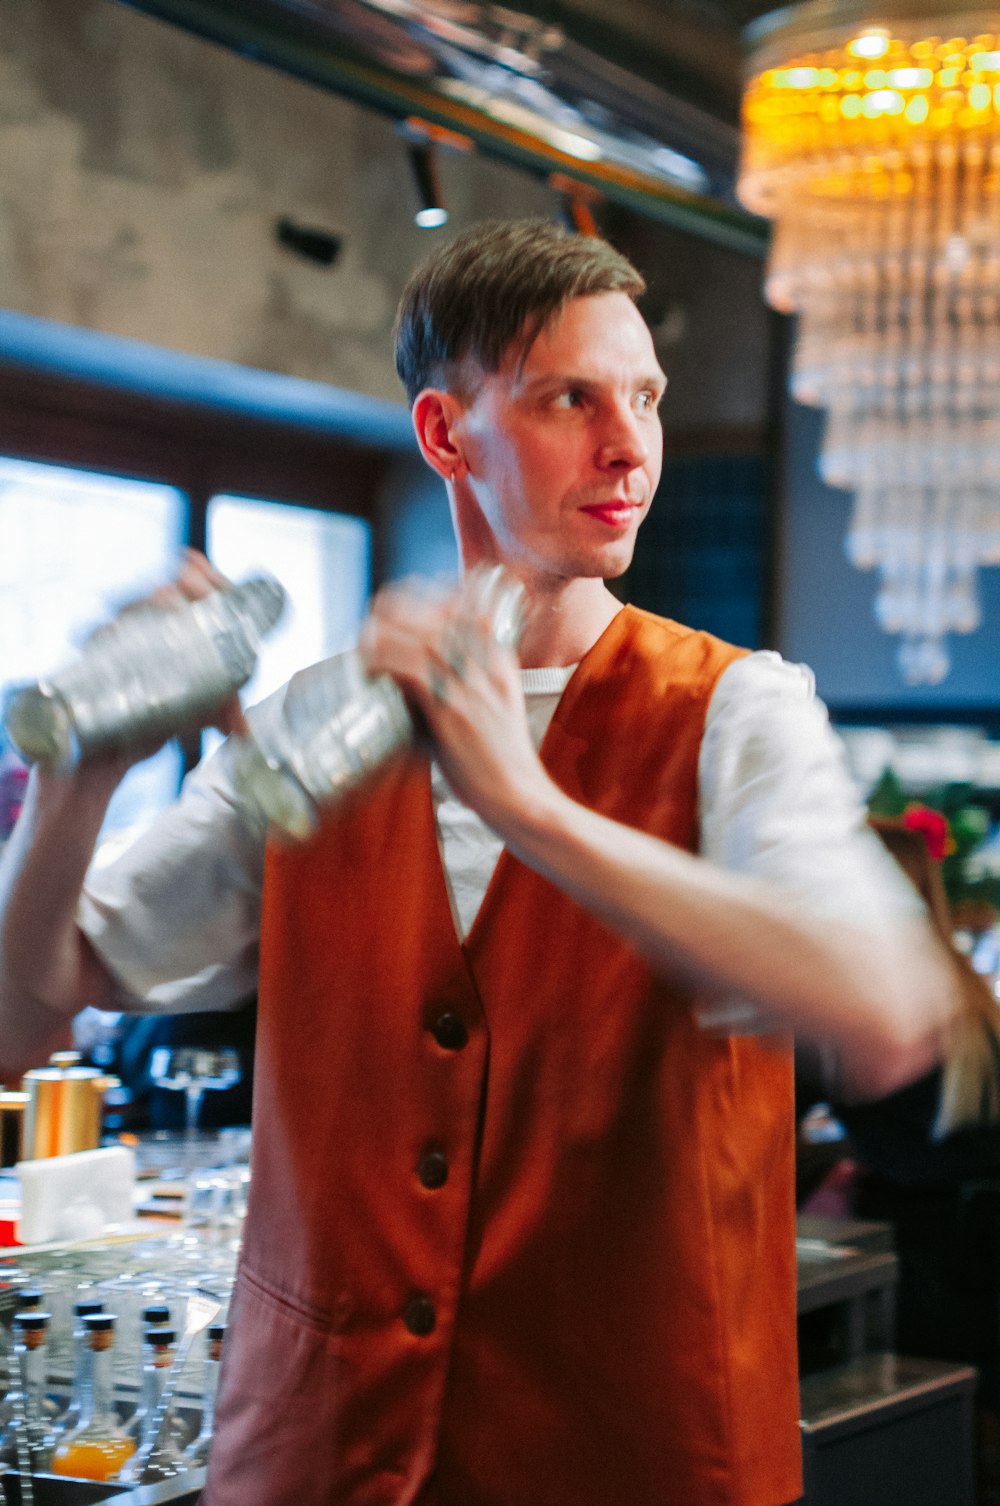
(157, 1457)
(197, 1451)
(147, 675)
(31, 1333)
(155, 1315)
(13, 1282)
(84, 1307)
(98, 1446)
(337, 724)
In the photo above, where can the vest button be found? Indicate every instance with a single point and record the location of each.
(450, 1031)
(420, 1317)
(433, 1169)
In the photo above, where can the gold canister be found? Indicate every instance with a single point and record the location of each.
(13, 1106)
(64, 1108)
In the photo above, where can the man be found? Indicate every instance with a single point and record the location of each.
(521, 1228)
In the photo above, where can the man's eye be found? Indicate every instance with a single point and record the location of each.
(571, 398)
(647, 401)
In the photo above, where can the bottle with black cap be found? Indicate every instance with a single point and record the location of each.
(98, 1446)
(31, 1334)
(157, 1457)
(83, 1307)
(155, 1315)
(197, 1451)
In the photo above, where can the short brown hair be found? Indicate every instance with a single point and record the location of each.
(497, 283)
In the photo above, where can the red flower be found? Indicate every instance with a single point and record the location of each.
(932, 826)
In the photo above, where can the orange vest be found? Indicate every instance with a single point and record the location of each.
(520, 1233)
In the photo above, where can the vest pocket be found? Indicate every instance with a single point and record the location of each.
(276, 1417)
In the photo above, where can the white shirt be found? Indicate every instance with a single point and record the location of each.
(176, 918)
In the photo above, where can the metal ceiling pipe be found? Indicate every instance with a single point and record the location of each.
(524, 93)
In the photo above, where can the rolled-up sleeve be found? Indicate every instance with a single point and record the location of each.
(176, 918)
(776, 801)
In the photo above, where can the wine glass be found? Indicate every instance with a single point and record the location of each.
(194, 1070)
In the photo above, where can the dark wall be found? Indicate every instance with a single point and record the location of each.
(703, 553)
(825, 606)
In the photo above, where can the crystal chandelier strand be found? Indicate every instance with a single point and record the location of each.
(877, 154)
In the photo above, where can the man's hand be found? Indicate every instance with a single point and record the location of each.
(466, 688)
(197, 578)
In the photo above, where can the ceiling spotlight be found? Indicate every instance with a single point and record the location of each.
(423, 162)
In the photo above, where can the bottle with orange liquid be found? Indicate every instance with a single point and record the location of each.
(98, 1447)
(155, 1315)
(82, 1308)
(158, 1456)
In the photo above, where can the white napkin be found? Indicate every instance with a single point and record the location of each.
(76, 1196)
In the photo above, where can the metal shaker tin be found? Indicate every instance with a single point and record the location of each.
(145, 676)
(338, 724)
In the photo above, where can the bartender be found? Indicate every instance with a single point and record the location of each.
(521, 1224)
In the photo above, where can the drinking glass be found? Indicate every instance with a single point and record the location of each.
(194, 1070)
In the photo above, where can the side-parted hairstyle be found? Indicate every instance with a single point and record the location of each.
(492, 288)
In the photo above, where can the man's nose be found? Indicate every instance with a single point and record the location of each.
(623, 445)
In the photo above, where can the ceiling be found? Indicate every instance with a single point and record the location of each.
(638, 99)
(699, 40)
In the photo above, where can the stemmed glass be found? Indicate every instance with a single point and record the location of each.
(194, 1070)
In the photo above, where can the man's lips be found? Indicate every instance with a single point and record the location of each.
(615, 514)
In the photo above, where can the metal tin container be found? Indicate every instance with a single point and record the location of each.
(148, 674)
(338, 723)
(65, 1104)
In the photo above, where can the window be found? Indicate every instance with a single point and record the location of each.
(77, 538)
(322, 559)
(74, 547)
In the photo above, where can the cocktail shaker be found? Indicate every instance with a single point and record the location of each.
(337, 723)
(148, 674)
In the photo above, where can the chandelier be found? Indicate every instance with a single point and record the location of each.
(873, 142)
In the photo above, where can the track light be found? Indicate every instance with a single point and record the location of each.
(432, 211)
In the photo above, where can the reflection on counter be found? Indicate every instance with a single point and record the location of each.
(111, 1347)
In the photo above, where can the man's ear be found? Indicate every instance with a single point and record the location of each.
(435, 415)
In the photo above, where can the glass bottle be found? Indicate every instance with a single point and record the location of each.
(151, 672)
(13, 1280)
(197, 1451)
(85, 1307)
(31, 1333)
(32, 1299)
(157, 1457)
(98, 1446)
(155, 1315)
